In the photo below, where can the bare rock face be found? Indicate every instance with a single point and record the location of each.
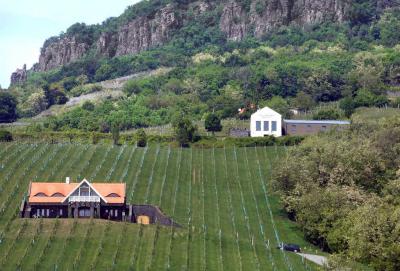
(234, 21)
(106, 44)
(19, 76)
(264, 16)
(61, 52)
(143, 33)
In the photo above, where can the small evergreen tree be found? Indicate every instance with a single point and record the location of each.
(115, 133)
(212, 123)
(141, 138)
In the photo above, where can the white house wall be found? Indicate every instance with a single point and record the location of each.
(269, 117)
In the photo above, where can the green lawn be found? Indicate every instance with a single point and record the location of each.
(221, 197)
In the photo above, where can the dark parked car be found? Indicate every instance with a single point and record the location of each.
(290, 247)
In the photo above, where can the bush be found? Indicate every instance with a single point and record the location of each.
(88, 106)
(85, 89)
(5, 136)
(327, 114)
(141, 138)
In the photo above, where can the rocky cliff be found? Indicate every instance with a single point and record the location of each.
(236, 21)
(19, 76)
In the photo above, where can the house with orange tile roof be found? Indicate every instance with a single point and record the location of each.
(87, 200)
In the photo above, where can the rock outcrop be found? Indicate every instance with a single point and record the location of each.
(61, 52)
(264, 16)
(236, 20)
(143, 33)
(19, 76)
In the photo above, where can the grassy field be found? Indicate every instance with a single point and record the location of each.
(221, 197)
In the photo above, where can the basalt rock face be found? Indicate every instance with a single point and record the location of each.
(19, 76)
(236, 21)
(144, 33)
(263, 16)
(61, 52)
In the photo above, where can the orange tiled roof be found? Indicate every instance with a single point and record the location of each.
(41, 192)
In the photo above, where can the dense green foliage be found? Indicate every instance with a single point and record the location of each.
(212, 123)
(342, 190)
(221, 198)
(8, 107)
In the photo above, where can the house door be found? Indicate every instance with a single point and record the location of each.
(84, 212)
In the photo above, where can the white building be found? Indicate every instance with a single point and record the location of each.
(266, 122)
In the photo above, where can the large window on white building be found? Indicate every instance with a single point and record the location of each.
(266, 125)
(258, 125)
(273, 126)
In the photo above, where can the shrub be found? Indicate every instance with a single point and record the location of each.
(5, 135)
(327, 114)
(141, 138)
(88, 106)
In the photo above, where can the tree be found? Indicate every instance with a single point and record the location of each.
(141, 138)
(115, 133)
(35, 104)
(348, 106)
(304, 101)
(389, 25)
(184, 129)
(8, 107)
(212, 123)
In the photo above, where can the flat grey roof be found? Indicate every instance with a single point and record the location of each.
(337, 122)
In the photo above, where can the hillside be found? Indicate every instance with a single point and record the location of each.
(220, 56)
(231, 220)
(151, 24)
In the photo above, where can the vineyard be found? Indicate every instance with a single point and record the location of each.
(221, 197)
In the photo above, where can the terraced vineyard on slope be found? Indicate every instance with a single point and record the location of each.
(221, 197)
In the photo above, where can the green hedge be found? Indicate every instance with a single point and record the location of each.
(5, 135)
(106, 138)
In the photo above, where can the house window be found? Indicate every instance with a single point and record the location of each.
(112, 212)
(37, 212)
(273, 124)
(116, 213)
(323, 128)
(84, 190)
(61, 213)
(258, 125)
(43, 210)
(48, 212)
(266, 125)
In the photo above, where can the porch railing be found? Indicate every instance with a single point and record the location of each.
(84, 199)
